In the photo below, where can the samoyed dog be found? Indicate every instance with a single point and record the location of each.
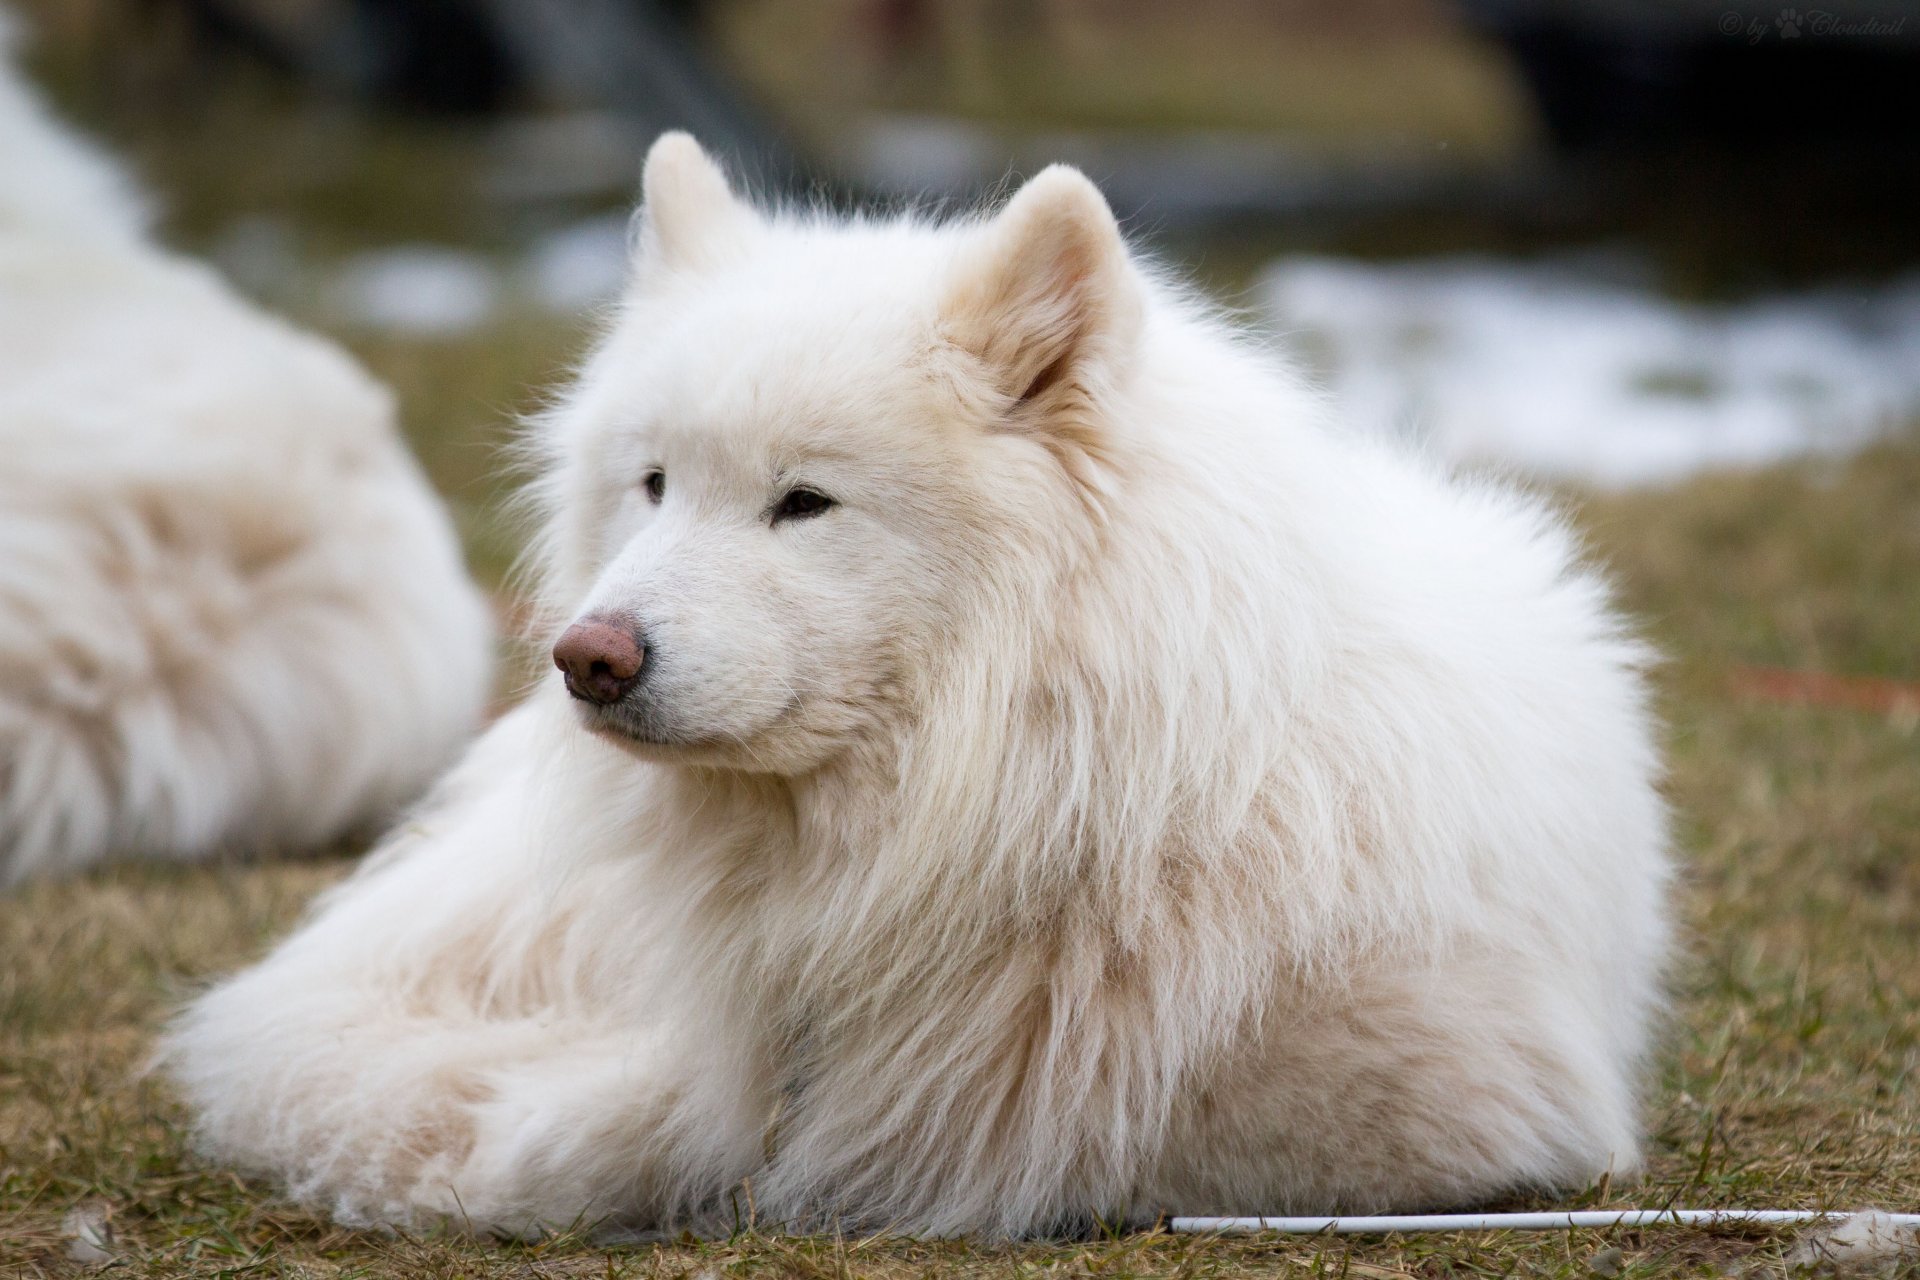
(232, 613)
(1012, 763)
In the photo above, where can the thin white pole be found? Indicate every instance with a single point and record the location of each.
(1522, 1221)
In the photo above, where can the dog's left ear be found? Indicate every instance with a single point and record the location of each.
(1047, 300)
(689, 217)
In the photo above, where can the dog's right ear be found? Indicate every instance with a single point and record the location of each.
(689, 217)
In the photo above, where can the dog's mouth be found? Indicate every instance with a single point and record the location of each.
(635, 731)
(625, 724)
(639, 731)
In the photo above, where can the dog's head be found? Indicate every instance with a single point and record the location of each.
(813, 453)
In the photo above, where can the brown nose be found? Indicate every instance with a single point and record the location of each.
(601, 657)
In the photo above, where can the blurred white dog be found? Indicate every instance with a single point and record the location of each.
(1021, 765)
(232, 613)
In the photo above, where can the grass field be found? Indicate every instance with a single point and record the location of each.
(1788, 1076)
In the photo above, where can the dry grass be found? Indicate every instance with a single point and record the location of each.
(1788, 1077)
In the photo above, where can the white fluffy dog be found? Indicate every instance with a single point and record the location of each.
(232, 613)
(1021, 766)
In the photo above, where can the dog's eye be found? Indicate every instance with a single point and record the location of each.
(799, 504)
(656, 485)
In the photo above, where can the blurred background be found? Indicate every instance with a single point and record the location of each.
(1610, 242)
(1659, 257)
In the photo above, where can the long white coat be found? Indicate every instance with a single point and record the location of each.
(1114, 792)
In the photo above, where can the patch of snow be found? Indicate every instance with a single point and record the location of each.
(89, 1232)
(579, 266)
(423, 290)
(1550, 369)
(1869, 1243)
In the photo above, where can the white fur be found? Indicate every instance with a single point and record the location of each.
(1133, 797)
(232, 613)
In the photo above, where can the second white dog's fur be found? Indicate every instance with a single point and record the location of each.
(1131, 796)
(232, 613)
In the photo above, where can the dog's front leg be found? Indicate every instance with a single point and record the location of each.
(616, 1134)
(482, 1027)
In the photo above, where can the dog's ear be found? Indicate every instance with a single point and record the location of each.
(1047, 299)
(689, 216)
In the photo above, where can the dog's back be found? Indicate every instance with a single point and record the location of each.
(231, 612)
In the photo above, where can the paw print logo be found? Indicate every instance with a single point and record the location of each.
(1789, 24)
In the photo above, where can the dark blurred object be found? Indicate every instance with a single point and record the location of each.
(640, 57)
(433, 55)
(1613, 74)
(1752, 142)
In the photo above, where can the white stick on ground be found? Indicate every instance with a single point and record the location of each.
(1523, 1221)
